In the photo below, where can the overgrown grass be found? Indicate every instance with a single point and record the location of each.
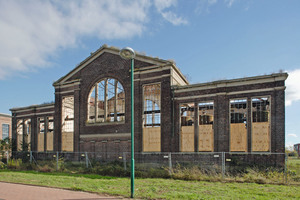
(294, 169)
(191, 173)
(182, 183)
(250, 175)
(153, 188)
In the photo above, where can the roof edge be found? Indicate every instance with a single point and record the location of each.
(276, 76)
(32, 106)
(5, 115)
(106, 48)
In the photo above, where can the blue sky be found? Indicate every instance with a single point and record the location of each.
(40, 41)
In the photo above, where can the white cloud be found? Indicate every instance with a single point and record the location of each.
(172, 18)
(292, 87)
(292, 135)
(32, 31)
(211, 2)
(163, 5)
(229, 2)
(203, 6)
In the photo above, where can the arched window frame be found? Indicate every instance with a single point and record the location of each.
(110, 104)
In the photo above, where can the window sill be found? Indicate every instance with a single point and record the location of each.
(103, 123)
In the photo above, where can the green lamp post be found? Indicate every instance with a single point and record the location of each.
(128, 53)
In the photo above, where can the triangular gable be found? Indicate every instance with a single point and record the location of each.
(112, 50)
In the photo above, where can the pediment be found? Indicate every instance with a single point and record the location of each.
(149, 62)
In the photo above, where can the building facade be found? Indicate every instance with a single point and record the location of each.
(5, 124)
(91, 111)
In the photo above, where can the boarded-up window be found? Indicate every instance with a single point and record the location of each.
(50, 134)
(187, 119)
(261, 124)
(238, 125)
(151, 118)
(206, 120)
(106, 102)
(67, 137)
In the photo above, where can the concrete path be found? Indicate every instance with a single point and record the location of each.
(12, 191)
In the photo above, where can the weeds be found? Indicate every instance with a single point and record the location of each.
(187, 172)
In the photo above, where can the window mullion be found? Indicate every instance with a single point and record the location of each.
(105, 100)
(153, 113)
(115, 101)
(96, 102)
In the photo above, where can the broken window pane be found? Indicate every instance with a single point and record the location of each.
(261, 135)
(238, 125)
(187, 114)
(68, 114)
(206, 113)
(101, 101)
(19, 134)
(151, 118)
(110, 104)
(27, 127)
(187, 117)
(238, 111)
(206, 131)
(151, 105)
(260, 109)
(67, 135)
(41, 135)
(91, 105)
(50, 134)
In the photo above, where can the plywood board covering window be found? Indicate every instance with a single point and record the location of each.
(261, 124)
(67, 137)
(187, 130)
(238, 125)
(151, 139)
(152, 118)
(41, 134)
(50, 134)
(206, 120)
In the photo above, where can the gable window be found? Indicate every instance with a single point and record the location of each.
(106, 102)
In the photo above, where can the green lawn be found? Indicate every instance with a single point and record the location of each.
(154, 188)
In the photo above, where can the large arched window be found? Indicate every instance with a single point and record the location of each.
(106, 102)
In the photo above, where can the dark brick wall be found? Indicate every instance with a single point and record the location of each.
(221, 113)
(110, 65)
(57, 122)
(14, 132)
(279, 120)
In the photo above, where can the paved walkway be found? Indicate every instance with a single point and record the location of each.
(12, 191)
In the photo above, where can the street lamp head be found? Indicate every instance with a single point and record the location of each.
(127, 53)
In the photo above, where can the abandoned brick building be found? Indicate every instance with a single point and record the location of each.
(91, 111)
